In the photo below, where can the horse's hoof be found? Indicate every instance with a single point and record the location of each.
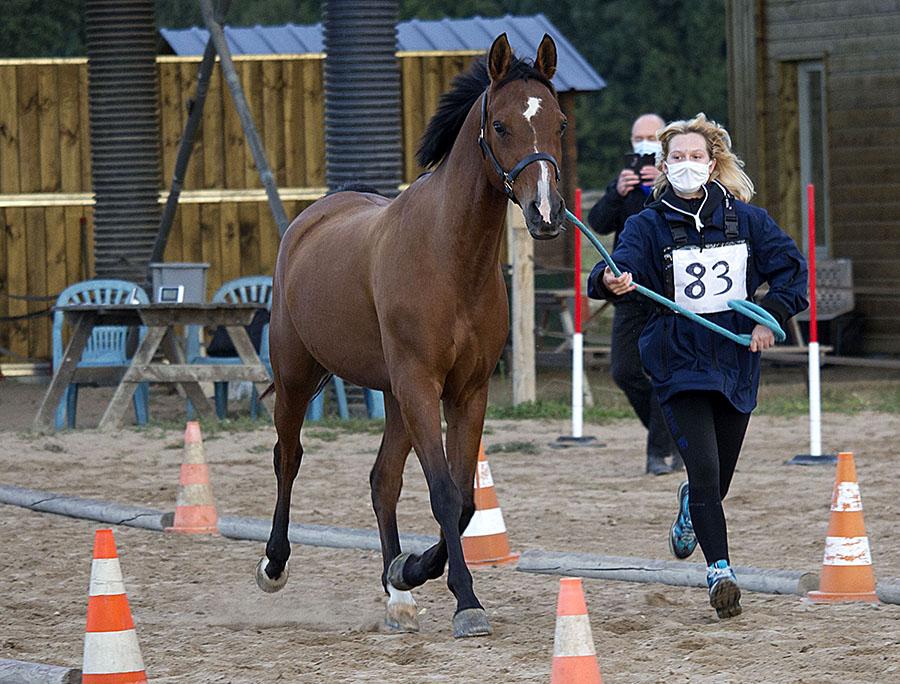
(471, 622)
(395, 572)
(266, 583)
(401, 614)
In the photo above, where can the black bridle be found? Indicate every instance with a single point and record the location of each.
(508, 178)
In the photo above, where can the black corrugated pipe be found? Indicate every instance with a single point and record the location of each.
(362, 94)
(124, 115)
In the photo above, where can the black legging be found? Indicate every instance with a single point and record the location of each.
(709, 433)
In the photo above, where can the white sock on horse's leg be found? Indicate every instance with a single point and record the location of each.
(402, 614)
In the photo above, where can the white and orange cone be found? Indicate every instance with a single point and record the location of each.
(195, 510)
(485, 541)
(574, 656)
(111, 651)
(847, 566)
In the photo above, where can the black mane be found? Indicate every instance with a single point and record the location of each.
(454, 106)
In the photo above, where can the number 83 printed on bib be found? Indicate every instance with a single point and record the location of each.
(704, 279)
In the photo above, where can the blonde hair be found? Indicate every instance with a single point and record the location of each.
(729, 169)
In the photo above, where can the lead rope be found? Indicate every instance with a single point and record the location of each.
(742, 306)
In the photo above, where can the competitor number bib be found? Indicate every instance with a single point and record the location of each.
(705, 279)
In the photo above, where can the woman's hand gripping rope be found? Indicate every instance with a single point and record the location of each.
(763, 336)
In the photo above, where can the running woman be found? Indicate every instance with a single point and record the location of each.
(701, 244)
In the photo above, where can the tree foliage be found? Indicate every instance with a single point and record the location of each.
(664, 56)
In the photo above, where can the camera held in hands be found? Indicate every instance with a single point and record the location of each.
(636, 162)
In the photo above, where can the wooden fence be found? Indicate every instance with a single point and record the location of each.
(223, 219)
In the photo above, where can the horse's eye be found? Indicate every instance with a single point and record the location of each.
(500, 128)
(563, 126)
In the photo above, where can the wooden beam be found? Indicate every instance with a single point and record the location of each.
(195, 373)
(83, 324)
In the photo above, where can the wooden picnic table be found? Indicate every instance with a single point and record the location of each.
(159, 320)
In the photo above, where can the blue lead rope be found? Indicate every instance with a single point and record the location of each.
(742, 306)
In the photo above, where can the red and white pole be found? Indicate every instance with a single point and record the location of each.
(815, 408)
(577, 338)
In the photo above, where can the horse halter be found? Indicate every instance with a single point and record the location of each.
(508, 178)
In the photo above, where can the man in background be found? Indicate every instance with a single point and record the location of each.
(625, 196)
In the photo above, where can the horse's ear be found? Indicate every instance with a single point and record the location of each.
(499, 58)
(545, 62)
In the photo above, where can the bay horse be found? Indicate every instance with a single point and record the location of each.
(406, 295)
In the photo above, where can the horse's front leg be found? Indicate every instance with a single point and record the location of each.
(386, 480)
(465, 425)
(420, 406)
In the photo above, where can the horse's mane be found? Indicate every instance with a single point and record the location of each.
(454, 106)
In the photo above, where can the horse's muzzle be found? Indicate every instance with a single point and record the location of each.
(538, 227)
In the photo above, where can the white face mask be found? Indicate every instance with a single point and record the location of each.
(647, 147)
(688, 176)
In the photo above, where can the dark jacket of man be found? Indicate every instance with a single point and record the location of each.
(610, 213)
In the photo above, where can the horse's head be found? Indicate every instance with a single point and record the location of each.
(520, 135)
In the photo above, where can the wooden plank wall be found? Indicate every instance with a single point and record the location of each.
(45, 182)
(423, 78)
(858, 44)
(287, 102)
(44, 149)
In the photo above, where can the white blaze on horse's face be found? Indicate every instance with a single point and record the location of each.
(532, 108)
(534, 104)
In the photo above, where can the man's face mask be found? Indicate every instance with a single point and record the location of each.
(647, 147)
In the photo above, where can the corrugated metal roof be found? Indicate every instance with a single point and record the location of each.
(475, 33)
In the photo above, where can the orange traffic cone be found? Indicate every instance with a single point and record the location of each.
(574, 657)
(847, 567)
(485, 541)
(111, 651)
(195, 510)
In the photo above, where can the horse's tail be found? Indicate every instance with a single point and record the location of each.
(269, 390)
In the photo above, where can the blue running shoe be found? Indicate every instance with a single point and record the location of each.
(724, 593)
(682, 540)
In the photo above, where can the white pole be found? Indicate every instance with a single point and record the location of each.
(815, 411)
(577, 386)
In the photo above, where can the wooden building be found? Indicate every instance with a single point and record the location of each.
(815, 98)
(223, 218)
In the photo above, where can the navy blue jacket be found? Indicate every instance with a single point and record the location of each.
(678, 353)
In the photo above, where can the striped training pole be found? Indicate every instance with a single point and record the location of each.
(577, 337)
(577, 437)
(815, 409)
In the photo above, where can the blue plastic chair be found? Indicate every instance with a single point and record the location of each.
(106, 345)
(246, 290)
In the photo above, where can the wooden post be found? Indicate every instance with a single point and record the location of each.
(521, 254)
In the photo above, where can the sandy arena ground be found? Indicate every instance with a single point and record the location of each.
(200, 617)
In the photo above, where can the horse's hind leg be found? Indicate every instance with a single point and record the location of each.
(386, 480)
(294, 387)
